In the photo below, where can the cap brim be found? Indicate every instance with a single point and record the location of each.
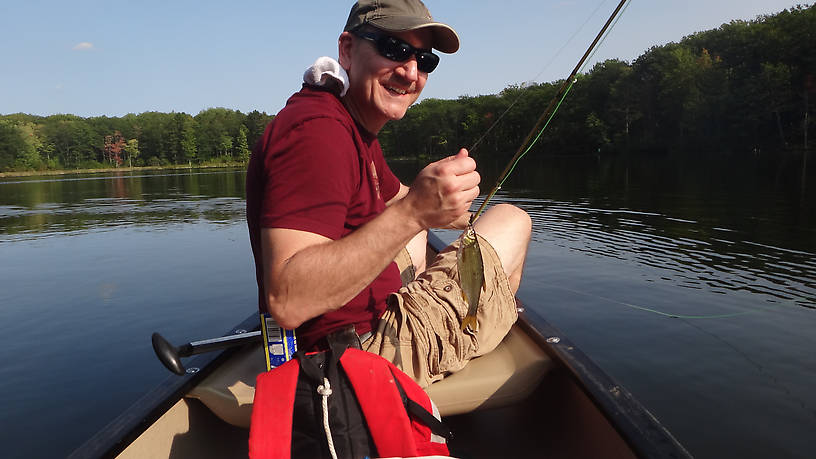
(445, 38)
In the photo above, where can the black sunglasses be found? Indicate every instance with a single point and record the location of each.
(397, 50)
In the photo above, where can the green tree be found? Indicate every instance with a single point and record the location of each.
(74, 142)
(189, 143)
(11, 143)
(154, 136)
(213, 128)
(255, 123)
(131, 150)
(241, 146)
(225, 146)
(777, 93)
(29, 157)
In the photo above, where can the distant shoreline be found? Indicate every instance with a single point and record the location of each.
(148, 168)
(116, 169)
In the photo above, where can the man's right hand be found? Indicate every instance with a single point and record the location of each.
(444, 190)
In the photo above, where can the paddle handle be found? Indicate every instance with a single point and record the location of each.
(170, 356)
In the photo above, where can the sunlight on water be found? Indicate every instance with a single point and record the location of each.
(683, 251)
(698, 302)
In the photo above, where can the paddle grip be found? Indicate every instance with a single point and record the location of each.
(168, 354)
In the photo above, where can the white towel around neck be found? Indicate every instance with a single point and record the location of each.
(325, 72)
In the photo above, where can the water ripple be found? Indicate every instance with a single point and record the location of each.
(100, 214)
(685, 251)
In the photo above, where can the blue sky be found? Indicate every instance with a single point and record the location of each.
(113, 57)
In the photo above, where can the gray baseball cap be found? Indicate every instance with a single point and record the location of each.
(402, 16)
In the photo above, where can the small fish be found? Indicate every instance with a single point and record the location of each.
(471, 276)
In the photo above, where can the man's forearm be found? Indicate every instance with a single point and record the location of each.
(323, 277)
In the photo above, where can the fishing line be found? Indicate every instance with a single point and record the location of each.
(555, 110)
(652, 310)
(547, 115)
(546, 66)
(774, 380)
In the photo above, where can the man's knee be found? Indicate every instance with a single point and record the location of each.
(517, 217)
(505, 223)
(507, 228)
(417, 249)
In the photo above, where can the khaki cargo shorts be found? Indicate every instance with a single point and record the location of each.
(421, 330)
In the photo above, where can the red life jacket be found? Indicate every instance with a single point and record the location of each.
(397, 411)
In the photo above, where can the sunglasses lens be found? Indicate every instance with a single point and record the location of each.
(399, 51)
(396, 50)
(427, 61)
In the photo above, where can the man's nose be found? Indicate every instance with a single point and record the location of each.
(409, 69)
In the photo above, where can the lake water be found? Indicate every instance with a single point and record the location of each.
(692, 285)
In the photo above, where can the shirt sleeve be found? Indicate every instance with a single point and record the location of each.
(312, 172)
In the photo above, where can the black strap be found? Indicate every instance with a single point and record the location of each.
(417, 410)
(320, 365)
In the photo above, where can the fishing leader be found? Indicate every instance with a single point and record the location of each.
(339, 243)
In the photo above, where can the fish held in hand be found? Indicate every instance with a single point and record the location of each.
(471, 276)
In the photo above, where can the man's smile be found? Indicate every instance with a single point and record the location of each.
(394, 89)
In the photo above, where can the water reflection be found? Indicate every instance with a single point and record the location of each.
(719, 224)
(687, 253)
(613, 243)
(695, 253)
(43, 207)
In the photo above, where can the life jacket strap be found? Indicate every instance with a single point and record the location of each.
(427, 418)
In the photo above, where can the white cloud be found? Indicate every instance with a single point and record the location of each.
(83, 46)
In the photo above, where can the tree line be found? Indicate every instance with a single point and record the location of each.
(215, 135)
(744, 87)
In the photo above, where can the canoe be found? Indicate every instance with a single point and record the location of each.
(535, 395)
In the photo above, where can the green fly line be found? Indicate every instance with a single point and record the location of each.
(549, 112)
(513, 166)
(558, 105)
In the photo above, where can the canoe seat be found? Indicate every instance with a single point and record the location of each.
(504, 376)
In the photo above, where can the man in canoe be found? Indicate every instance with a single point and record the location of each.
(339, 242)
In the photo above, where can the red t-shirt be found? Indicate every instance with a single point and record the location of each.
(316, 170)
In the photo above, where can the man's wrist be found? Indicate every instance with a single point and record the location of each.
(407, 215)
(460, 223)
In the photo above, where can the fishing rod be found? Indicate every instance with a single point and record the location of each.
(547, 115)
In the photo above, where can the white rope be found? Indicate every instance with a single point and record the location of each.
(325, 390)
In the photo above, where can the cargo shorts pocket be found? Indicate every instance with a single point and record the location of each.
(455, 346)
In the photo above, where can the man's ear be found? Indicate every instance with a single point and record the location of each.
(344, 45)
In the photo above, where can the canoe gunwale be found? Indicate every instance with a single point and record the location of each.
(639, 428)
(135, 420)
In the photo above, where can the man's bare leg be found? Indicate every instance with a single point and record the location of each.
(417, 248)
(507, 228)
